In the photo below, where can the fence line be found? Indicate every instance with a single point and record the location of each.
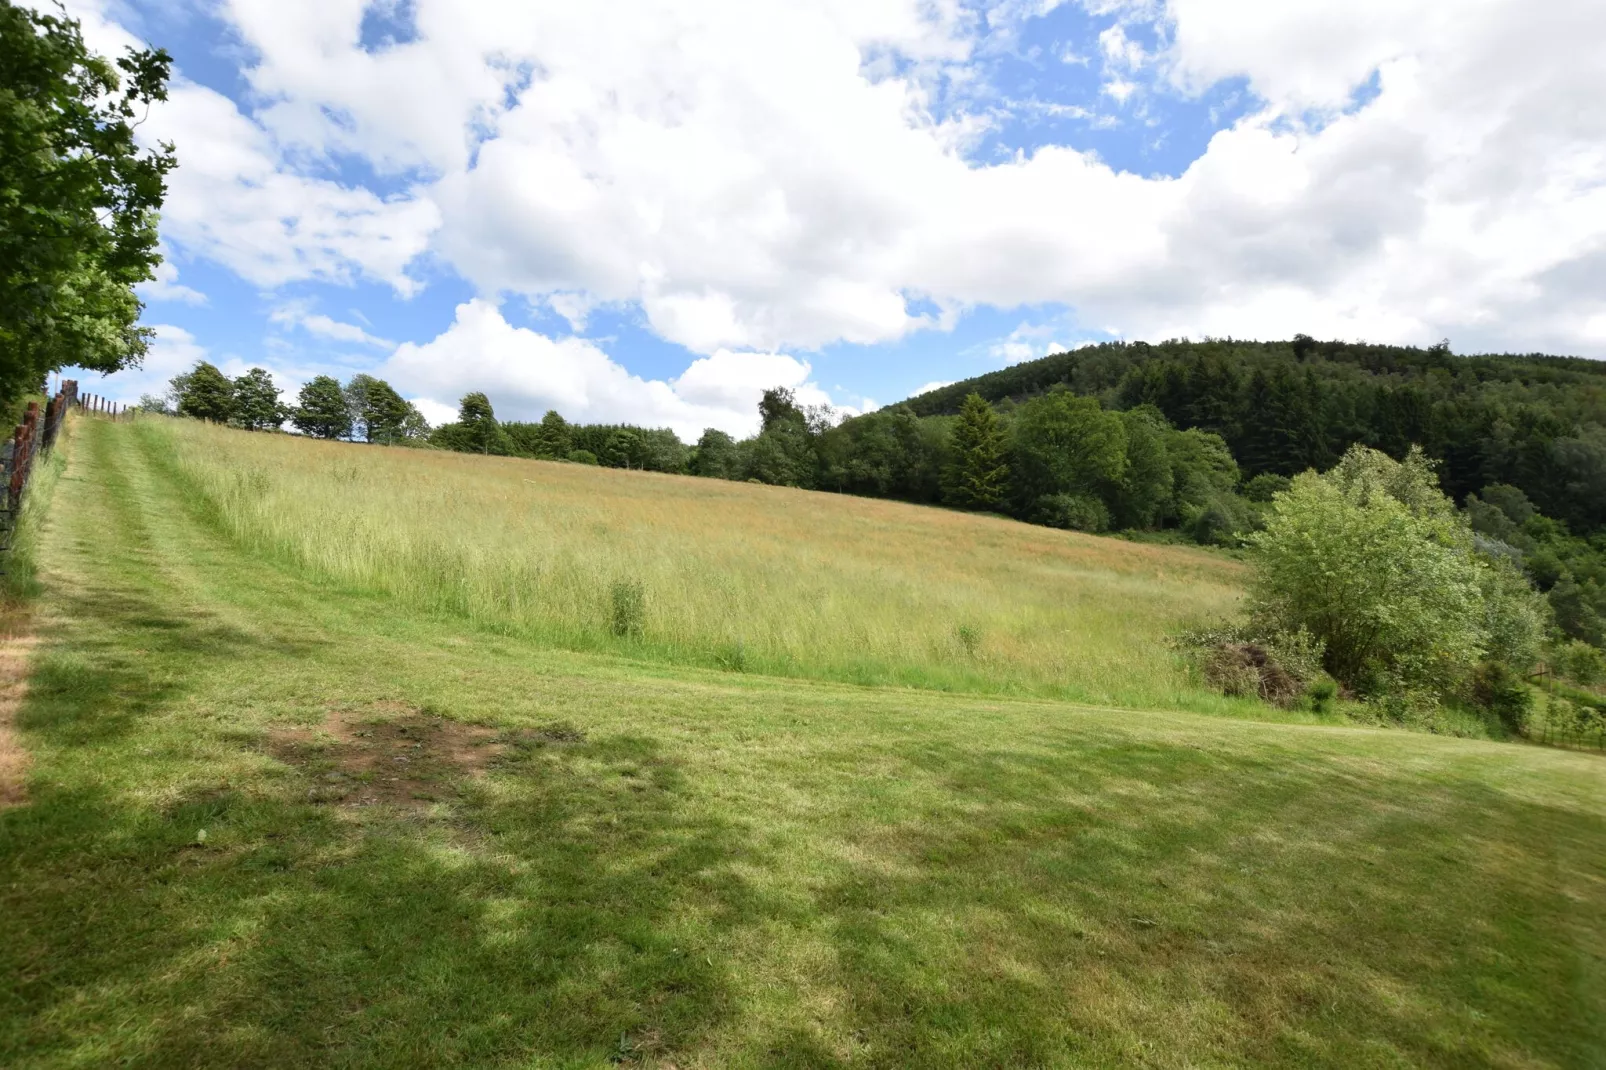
(31, 439)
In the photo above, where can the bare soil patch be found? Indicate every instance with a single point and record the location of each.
(16, 645)
(396, 754)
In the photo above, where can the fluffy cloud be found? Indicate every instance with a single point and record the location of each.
(764, 175)
(238, 197)
(527, 373)
(166, 287)
(173, 352)
(300, 314)
(755, 177)
(235, 201)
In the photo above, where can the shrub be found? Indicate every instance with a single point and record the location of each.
(1322, 693)
(1266, 486)
(1245, 666)
(734, 657)
(1217, 522)
(1561, 720)
(969, 639)
(1374, 563)
(1076, 512)
(1499, 690)
(582, 457)
(1579, 662)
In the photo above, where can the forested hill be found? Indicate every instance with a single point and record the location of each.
(1536, 422)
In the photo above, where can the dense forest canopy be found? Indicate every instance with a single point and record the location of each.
(1534, 422)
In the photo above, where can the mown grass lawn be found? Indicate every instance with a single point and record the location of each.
(585, 860)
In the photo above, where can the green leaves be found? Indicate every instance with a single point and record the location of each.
(78, 198)
(322, 411)
(205, 393)
(1375, 563)
(377, 411)
(256, 402)
(1067, 445)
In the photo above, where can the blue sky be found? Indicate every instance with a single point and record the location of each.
(652, 210)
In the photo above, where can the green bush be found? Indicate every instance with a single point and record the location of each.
(1266, 486)
(1076, 512)
(969, 638)
(1500, 691)
(1322, 693)
(1375, 563)
(582, 457)
(1241, 664)
(1579, 662)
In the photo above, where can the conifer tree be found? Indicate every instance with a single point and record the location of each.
(978, 478)
(553, 437)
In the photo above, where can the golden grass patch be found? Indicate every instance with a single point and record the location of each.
(735, 575)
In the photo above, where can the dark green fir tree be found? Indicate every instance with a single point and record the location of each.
(978, 477)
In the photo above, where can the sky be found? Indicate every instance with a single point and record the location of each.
(650, 211)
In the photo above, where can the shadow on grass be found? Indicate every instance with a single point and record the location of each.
(574, 919)
(1165, 905)
(127, 657)
(565, 908)
(1086, 899)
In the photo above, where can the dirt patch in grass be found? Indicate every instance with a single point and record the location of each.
(16, 644)
(396, 754)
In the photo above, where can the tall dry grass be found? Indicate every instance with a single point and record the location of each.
(749, 577)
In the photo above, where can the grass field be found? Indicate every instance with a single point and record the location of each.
(768, 579)
(283, 810)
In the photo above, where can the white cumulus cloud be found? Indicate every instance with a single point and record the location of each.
(765, 176)
(166, 287)
(526, 372)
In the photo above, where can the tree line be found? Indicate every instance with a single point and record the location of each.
(365, 409)
(1519, 442)
(1123, 438)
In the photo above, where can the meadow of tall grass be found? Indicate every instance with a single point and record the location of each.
(701, 571)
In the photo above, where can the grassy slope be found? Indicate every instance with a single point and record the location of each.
(774, 579)
(730, 869)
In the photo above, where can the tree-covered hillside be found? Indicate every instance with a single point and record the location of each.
(1534, 422)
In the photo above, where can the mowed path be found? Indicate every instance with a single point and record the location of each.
(272, 824)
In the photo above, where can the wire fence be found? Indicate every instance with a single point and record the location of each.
(33, 439)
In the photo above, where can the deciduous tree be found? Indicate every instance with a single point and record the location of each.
(1064, 445)
(377, 411)
(1372, 560)
(205, 394)
(256, 402)
(321, 409)
(78, 198)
